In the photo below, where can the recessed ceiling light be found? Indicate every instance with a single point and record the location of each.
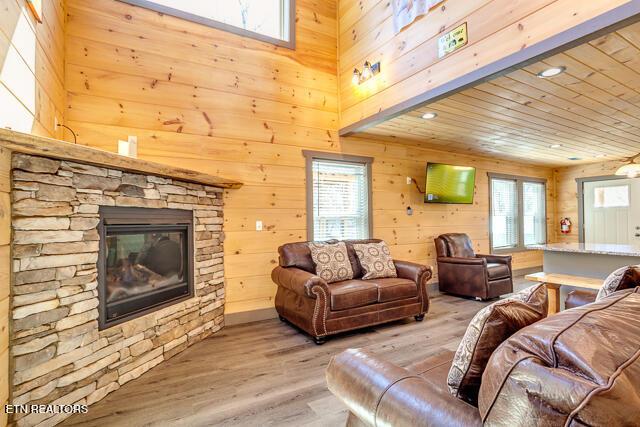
(429, 116)
(555, 146)
(552, 72)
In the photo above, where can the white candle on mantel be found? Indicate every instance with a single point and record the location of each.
(128, 148)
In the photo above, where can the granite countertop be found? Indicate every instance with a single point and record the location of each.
(590, 248)
(62, 150)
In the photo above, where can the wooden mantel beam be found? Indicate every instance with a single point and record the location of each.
(53, 148)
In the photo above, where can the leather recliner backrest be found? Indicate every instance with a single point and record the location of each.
(457, 245)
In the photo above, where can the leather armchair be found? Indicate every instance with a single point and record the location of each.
(463, 272)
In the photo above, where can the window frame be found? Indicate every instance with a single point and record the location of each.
(520, 180)
(289, 44)
(310, 156)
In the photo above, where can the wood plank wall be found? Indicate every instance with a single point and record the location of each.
(235, 107)
(32, 92)
(567, 193)
(32, 97)
(410, 64)
(5, 268)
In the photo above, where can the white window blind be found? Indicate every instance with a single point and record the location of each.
(534, 213)
(340, 200)
(504, 213)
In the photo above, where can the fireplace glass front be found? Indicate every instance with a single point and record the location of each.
(143, 266)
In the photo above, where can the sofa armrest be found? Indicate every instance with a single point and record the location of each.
(381, 393)
(297, 280)
(462, 261)
(497, 259)
(412, 271)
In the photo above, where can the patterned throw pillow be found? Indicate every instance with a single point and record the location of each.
(332, 261)
(376, 260)
(487, 330)
(623, 278)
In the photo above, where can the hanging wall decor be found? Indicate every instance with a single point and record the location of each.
(406, 11)
(36, 8)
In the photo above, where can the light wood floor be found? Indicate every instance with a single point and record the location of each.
(269, 374)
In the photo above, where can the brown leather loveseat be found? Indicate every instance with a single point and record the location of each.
(322, 309)
(577, 368)
(463, 272)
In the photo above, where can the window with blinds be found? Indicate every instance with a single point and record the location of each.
(534, 213)
(504, 213)
(340, 194)
(518, 212)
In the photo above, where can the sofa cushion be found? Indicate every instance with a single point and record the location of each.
(352, 294)
(355, 262)
(392, 289)
(332, 261)
(375, 259)
(623, 278)
(498, 271)
(487, 330)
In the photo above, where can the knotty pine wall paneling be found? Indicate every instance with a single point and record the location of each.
(204, 99)
(32, 92)
(208, 100)
(410, 63)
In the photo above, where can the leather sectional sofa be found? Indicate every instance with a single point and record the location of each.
(579, 367)
(322, 309)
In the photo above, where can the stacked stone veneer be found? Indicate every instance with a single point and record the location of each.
(58, 354)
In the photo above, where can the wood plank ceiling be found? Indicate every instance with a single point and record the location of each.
(588, 114)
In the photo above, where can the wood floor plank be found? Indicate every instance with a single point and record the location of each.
(269, 374)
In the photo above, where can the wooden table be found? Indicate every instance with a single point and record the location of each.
(555, 280)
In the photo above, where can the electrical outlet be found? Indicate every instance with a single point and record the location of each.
(409, 180)
(258, 225)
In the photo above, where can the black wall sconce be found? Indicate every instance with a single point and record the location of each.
(368, 71)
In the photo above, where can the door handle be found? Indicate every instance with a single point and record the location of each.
(637, 234)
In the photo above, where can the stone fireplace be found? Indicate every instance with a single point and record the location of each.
(113, 273)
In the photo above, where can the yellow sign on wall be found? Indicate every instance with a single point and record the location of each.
(453, 40)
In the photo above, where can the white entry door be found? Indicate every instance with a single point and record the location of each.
(612, 211)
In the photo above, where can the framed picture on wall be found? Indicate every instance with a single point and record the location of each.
(36, 8)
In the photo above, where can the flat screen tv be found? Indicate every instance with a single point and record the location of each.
(449, 184)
